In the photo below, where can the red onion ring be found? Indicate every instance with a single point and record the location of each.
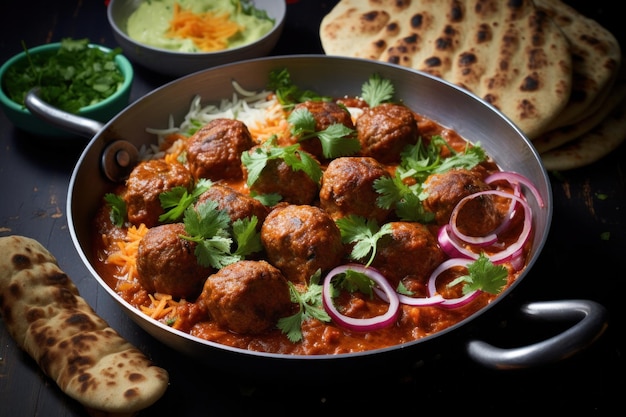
(452, 247)
(451, 302)
(356, 324)
(413, 301)
(515, 178)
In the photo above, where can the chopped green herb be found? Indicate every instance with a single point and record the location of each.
(213, 232)
(484, 276)
(353, 281)
(377, 91)
(176, 200)
(364, 233)
(74, 77)
(287, 93)
(337, 139)
(118, 208)
(293, 156)
(311, 306)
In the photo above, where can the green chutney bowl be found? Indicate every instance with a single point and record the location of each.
(101, 111)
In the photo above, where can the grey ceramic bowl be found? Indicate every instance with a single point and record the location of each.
(176, 64)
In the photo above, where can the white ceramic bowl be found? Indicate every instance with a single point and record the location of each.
(176, 64)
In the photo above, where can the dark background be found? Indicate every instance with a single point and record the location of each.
(576, 263)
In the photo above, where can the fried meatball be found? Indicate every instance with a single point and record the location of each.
(247, 297)
(325, 113)
(166, 263)
(236, 204)
(478, 217)
(301, 239)
(295, 187)
(385, 130)
(214, 151)
(348, 188)
(144, 185)
(410, 251)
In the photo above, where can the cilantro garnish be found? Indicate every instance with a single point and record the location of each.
(214, 234)
(311, 306)
(176, 200)
(293, 156)
(337, 139)
(74, 77)
(248, 8)
(287, 93)
(377, 90)
(352, 281)
(417, 163)
(118, 208)
(483, 275)
(364, 233)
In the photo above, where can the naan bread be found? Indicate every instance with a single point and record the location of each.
(590, 147)
(562, 135)
(596, 57)
(89, 361)
(509, 53)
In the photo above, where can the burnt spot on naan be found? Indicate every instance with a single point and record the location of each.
(21, 261)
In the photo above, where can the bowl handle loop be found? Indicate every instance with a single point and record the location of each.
(593, 321)
(69, 122)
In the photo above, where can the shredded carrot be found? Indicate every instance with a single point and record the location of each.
(126, 255)
(209, 31)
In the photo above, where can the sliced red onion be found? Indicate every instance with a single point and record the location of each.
(367, 324)
(451, 302)
(413, 301)
(515, 178)
(453, 247)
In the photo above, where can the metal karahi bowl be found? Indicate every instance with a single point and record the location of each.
(176, 64)
(443, 102)
(102, 111)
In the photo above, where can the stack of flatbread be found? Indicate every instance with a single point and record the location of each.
(554, 72)
(88, 360)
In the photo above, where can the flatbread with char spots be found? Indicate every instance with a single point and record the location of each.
(89, 361)
(596, 58)
(512, 54)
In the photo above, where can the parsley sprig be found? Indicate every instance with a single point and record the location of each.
(117, 207)
(377, 90)
(215, 235)
(298, 160)
(483, 275)
(310, 307)
(176, 200)
(364, 234)
(405, 191)
(337, 139)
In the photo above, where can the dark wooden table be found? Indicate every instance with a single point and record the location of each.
(576, 263)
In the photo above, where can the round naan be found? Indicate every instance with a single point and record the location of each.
(511, 54)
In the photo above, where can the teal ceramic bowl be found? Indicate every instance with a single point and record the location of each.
(102, 111)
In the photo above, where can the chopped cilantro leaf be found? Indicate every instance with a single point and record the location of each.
(377, 90)
(293, 156)
(311, 306)
(364, 233)
(118, 208)
(74, 77)
(287, 93)
(176, 200)
(483, 275)
(213, 232)
(337, 139)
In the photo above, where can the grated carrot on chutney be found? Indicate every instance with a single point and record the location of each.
(208, 31)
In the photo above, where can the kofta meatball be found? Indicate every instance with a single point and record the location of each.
(410, 252)
(247, 297)
(236, 204)
(166, 263)
(326, 114)
(348, 188)
(478, 217)
(214, 151)
(294, 187)
(385, 130)
(144, 185)
(300, 239)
